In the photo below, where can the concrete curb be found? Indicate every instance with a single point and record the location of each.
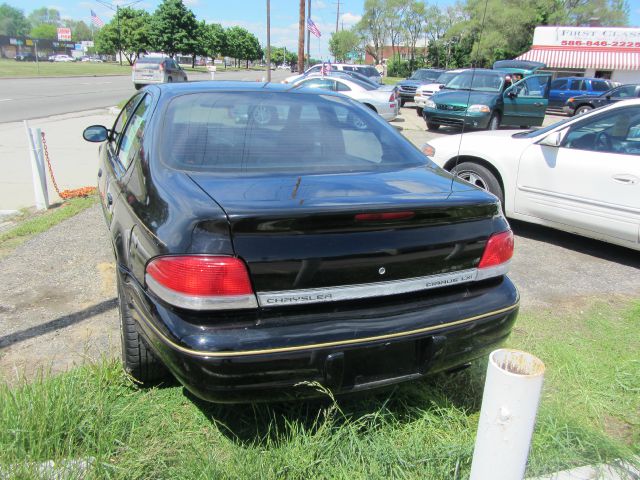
(615, 471)
(67, 76)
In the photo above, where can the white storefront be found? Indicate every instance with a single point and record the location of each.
(588, 51)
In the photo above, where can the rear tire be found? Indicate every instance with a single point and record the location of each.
(137, 86)
(137, 358)
(582, 110)
(479, 176)
(432, 126)
(402, 101)
(494, 121)
(419, 111)
(169, 80)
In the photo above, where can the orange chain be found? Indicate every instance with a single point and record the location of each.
(65, 194)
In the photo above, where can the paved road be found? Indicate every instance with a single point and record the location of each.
(28, 98)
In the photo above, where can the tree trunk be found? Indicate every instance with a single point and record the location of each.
(193, 61)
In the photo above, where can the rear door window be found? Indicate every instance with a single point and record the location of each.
(560, 84)
(599, 86)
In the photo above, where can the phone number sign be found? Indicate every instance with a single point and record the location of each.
(622, 38)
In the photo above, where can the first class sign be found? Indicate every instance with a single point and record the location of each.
(589, 37)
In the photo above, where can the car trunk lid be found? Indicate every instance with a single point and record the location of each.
(318, 231)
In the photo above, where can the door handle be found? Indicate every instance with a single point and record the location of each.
(626, 179)
(538, 104)
(99, 172)
(109, 199)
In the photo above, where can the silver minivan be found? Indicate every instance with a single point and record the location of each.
(148, 70)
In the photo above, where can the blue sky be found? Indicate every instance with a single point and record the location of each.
(250, 14)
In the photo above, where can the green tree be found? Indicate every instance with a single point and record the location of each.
(13, 22)
(342, 43)
(134, 38)
(79, 30)
(196, 45)
(414, 23)
(215, 40)
(44, 15)
(372, 28)
(610, 13)
(394, 19)
(280, 55)
(173, 28)
(45, 30)
(242, 45)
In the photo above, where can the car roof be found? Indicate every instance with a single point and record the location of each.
(170, 90)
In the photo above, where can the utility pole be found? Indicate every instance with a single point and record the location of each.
(301, 38)
(337, 15)
(308, 36)
(268, 40)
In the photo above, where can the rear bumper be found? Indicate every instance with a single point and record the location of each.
(271, 358)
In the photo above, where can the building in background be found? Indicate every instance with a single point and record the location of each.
(601, 52)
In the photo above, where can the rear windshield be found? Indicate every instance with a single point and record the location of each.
(368, 71)
(476, 81)
(250, 133)
(150, 60)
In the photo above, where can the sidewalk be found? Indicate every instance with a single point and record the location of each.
(74, 161)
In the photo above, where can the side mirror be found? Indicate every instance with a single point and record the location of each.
(441, 86)
(95, 133)
(608, 97)
(552, 140)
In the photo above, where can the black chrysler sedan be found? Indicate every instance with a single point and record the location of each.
(270, 238)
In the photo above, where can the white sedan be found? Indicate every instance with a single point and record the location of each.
(381, 100)
(580, 175)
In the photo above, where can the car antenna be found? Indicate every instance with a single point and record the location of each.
(473, 74)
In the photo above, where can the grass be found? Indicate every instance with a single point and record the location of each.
(29, 224)
(589, 414)
(391, 80)
(11, 68)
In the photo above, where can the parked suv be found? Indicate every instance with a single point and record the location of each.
(584, 103)
(482, 98)
(563, 88)
(422, 76)
(148, 70)
(366, 70)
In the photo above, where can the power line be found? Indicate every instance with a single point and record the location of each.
(117, 10)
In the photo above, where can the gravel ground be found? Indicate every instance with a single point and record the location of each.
(58, 299)
(58, 295)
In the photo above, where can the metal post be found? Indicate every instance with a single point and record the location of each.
(37, 170)
(301, 28)
(507, 417)
(268, 40)
(119, 41)
(308, 64)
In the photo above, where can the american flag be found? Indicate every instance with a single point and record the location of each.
(95, 19)
(313, 28)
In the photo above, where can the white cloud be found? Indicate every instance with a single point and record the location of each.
(319, 4)
(349, 19)
(191, 3)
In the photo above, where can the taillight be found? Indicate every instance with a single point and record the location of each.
(499, 250)
(201, 282)
(161, 66)
(392, 97)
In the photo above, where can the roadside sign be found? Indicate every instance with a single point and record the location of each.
(64, 33)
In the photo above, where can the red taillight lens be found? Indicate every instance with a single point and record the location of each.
(201, 275)
(161, 67)
(499, 249)
(392, 97)
(385, 216)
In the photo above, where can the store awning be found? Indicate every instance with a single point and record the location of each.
(600, 59)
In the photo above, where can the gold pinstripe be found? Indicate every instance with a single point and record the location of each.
(356, 341)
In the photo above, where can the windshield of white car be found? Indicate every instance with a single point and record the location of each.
(424, 75)
(476, 81)
(445, 77)
(540, 131)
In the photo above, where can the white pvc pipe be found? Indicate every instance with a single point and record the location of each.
(36, 175)
(507, 417)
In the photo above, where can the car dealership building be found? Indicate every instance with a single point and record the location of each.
(602, 52)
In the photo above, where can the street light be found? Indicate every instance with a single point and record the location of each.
(117, 10)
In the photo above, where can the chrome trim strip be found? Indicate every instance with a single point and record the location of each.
(367, 290)
(197, 302)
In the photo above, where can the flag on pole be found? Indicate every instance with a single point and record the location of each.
(313, 28)
(95, 19)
